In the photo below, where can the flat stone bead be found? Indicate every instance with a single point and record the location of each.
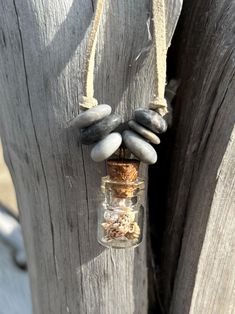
(91, 116)
(149, 135)
(99, 130)
(139, 147)
(151, 120)
(106, 147)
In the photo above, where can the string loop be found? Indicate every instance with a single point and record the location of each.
(159, 103)
(86, 103)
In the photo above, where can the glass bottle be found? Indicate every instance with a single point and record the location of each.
(121, 215)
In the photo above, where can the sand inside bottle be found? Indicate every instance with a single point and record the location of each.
(120, 220)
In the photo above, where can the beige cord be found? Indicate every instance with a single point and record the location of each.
(88, 101)
(159, 103)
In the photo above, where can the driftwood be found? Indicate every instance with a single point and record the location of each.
(198, 249)
(42, 49)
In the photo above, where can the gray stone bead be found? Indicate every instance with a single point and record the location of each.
(151, 120)
(99, 130)
(106, 147)
(149, 135)
(139, 147)
(91, 116)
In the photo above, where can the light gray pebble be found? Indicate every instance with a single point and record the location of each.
(91, 116)
(151, 120)
(99, 130)
(139, 147)
(149, 135)
(106, 147)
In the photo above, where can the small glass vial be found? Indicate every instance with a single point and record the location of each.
(121, 215)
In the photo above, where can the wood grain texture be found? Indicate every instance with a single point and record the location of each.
(214, 287)
(42, 47)
(197, 269)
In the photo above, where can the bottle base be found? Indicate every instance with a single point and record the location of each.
(119, 244)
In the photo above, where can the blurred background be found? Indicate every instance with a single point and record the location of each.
(14, 283)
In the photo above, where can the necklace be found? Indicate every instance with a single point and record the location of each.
(121, 215)
(97, 123)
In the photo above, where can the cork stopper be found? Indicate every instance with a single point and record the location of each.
(123, 170)
(124, 174)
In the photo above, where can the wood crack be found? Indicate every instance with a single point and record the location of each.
(93, 5)
(205, 136)
(86, 190)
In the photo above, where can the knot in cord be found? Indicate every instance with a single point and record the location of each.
(86, 103)
(159, 104)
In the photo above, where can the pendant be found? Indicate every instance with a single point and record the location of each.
(121, 215)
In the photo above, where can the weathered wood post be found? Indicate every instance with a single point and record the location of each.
(42, 47)
(198, 256)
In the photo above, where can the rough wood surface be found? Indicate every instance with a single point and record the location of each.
(199, 241)
(42, 47)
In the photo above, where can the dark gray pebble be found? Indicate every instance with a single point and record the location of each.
(99, 130)
(151, 120)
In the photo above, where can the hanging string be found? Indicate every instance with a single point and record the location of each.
(159, 103)
(88, 101)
